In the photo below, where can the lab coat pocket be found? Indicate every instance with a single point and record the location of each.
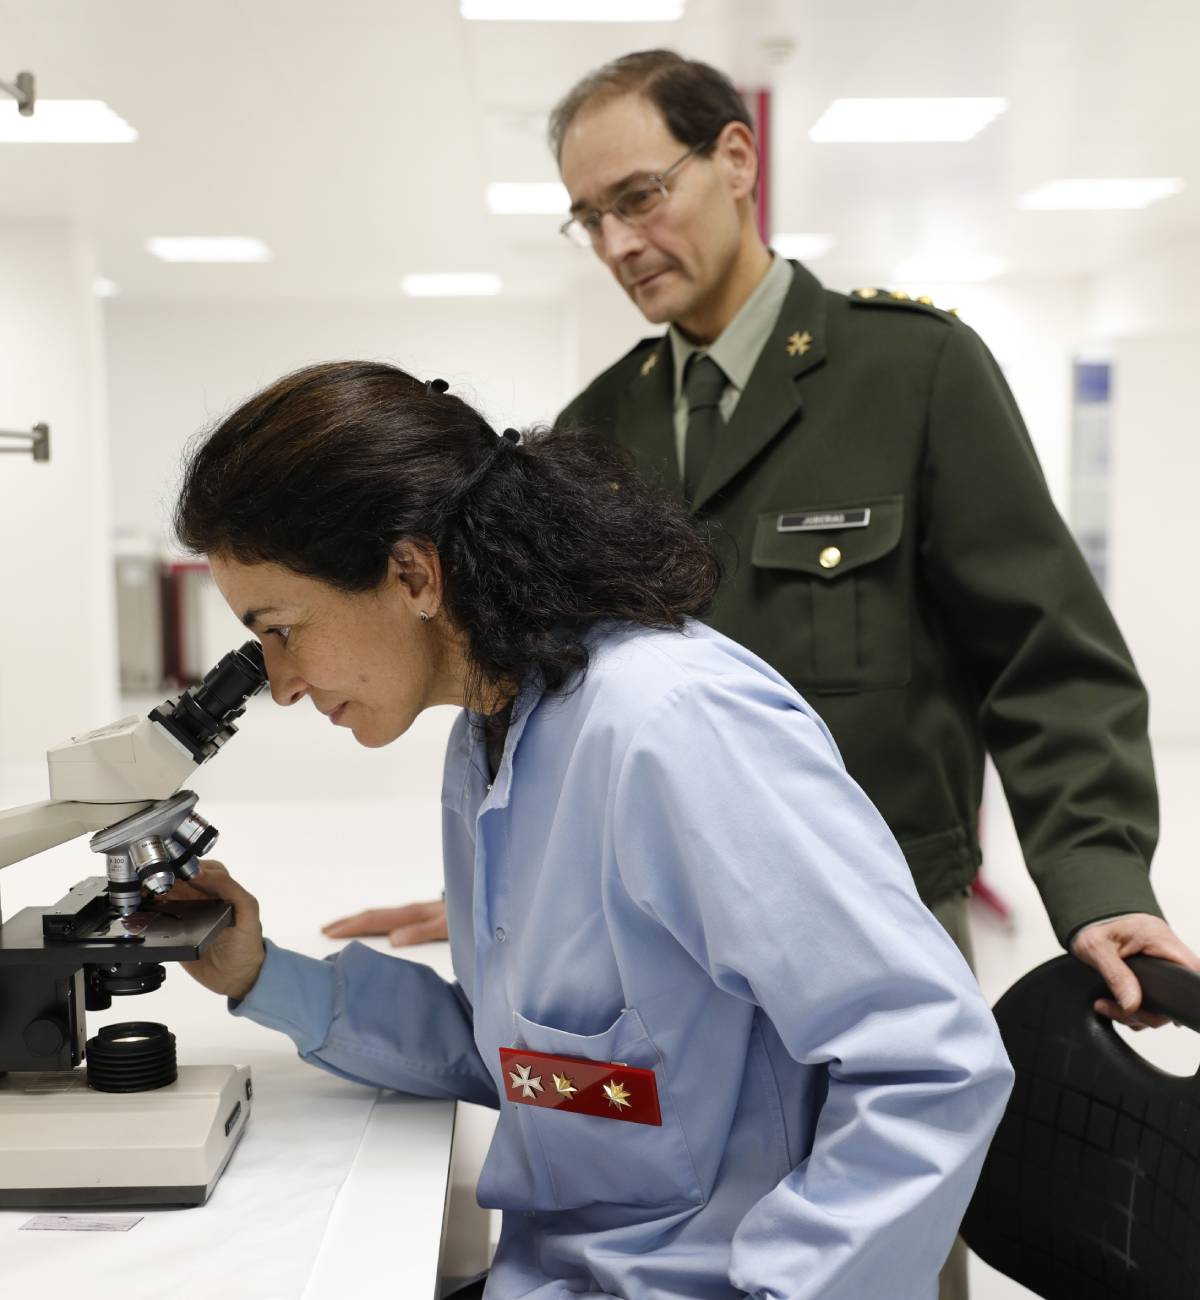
(593, 1160)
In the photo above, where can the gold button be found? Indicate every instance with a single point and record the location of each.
(830, 557)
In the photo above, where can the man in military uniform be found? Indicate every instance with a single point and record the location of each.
(892, 546)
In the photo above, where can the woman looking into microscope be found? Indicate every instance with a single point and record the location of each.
(732, 1051)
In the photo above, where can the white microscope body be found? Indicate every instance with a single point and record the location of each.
(130, 1127)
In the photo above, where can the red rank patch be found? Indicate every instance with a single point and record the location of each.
(606, 1089)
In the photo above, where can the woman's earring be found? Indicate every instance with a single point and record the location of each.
(424, 616)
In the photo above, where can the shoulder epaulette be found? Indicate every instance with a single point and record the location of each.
(640, 359)
(898, 298)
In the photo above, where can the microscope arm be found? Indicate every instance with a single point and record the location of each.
(101, 779)
(37, 826)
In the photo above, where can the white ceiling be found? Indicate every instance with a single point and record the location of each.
(357, 139)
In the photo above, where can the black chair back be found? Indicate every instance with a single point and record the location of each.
(1091, 1189)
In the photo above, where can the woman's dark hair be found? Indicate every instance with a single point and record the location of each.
(695, 100)
(327, 469)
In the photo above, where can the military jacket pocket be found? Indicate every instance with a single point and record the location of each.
(830, 585)
(591, 1160)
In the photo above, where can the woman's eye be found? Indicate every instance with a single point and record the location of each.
(281, 632)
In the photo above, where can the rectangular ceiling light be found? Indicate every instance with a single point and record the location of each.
(802, 248)
(574, 11)
(64, 121)
(208, 248)
(528, 198)
(949, 269)
(905, 121)
(452, 285)
(1101, 193)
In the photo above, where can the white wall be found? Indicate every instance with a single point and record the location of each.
(175, 368)
(57, 640)
(1147, 313)
(1157, 292)
(1156, 469)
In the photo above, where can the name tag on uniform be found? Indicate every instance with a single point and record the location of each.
(605, 1089)
(815, 521)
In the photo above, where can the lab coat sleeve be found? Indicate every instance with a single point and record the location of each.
(373, 1018)
(738, 829)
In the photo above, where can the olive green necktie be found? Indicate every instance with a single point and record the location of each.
(703, 383)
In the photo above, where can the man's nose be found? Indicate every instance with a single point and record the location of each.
(618, 239)
(287, 686)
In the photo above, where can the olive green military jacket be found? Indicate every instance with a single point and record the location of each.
(892, 550)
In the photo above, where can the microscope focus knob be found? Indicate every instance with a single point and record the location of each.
(45, 1037)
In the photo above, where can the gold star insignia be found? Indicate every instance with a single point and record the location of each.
(522, 1083)
(899, 295)
(564, 1086)
(867, 293)
(798, 344)
(925, 300)
(650, 362)
(618, 1095)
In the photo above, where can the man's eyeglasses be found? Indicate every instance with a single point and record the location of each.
(632, 206)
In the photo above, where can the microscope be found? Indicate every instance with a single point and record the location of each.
(128, 1127)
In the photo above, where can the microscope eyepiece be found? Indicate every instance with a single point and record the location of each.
(202, 718)
(223, 693)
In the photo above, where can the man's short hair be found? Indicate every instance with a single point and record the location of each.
(695, 100)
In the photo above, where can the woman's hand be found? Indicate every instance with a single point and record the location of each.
(231, 963)
(414, 923)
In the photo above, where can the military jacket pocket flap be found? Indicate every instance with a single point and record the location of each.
(827, 541)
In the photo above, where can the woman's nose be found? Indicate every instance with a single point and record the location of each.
(287, 686)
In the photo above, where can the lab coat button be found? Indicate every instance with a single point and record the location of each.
(500, 935)
(830, 558)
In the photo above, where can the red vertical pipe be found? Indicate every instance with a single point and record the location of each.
(762, 117)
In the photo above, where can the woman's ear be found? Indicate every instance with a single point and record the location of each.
(417, 571)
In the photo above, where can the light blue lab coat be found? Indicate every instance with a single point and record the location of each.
(673, 870)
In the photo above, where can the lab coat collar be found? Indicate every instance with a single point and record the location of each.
(467, 773)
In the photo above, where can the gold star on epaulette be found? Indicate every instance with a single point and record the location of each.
(618, 1095)
(648, 365)
(798, 344)
(899, 295)
(866, 293)
(564, 1086)
(523, 1083)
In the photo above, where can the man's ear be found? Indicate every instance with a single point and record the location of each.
(737, 152)
(417, 568)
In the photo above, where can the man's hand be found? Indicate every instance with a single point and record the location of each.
(230, 965)
(1105, 946)
(416, 923)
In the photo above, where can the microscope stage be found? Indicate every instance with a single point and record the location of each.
(64, 1145)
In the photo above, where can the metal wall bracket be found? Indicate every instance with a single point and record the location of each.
(22, 91)
(38, 439)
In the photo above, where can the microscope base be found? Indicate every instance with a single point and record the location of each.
(65, 1146)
